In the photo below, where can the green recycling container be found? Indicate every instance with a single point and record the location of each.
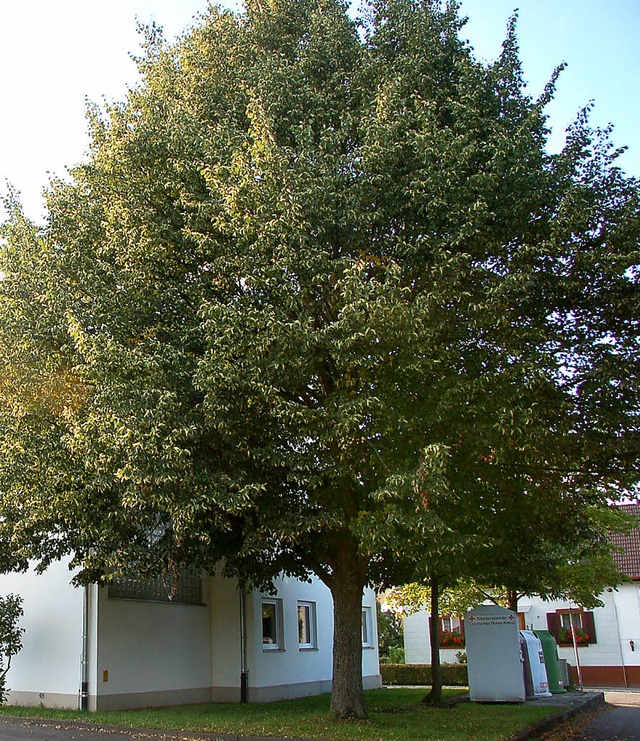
(550, 651)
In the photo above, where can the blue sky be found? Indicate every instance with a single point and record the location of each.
(54, 54)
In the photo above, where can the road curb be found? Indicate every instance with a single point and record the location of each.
(587, 704)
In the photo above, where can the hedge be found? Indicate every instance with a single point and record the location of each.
(453, 675)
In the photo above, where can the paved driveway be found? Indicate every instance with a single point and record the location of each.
(623, 698)
(619, 720)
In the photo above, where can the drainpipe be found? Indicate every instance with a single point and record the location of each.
(84, 680)
(244, 672)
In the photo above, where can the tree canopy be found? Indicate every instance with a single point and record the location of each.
(309, 262)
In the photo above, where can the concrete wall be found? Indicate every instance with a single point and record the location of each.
(48, 669)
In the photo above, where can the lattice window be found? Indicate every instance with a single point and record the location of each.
(185, 588)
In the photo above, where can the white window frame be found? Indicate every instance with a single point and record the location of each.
(367, 627)
(277, 640)
(567, 619)
(446, 623)
(306, 612)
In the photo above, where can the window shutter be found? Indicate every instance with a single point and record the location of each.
(588, 624)
(553, 623)
(462, 627)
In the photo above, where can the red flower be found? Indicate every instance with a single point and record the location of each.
(451, 638)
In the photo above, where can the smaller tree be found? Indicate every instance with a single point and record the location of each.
(10, 637)
(456, 598)
(390, 635)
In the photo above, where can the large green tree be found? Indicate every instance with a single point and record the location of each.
(306, 260)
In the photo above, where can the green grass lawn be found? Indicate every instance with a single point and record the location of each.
(394, 715)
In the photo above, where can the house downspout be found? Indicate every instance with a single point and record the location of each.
(84, 674)
(244, 672)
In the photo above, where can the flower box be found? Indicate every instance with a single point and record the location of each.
(451, 639)
(565, 637)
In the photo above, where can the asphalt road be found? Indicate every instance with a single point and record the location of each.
(16, 729)
(617, 723)
(609, 724)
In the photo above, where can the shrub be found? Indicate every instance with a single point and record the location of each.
(395, 655)
(10, 636)
(390, 637)
(453, 675)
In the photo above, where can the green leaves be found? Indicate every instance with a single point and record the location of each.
(10, 636)
(320, 297)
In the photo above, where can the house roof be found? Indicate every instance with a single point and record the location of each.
(628, 558)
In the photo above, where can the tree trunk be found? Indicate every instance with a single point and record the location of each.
(512, 599)
(435, 695)
(346, 585)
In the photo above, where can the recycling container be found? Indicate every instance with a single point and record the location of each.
(551, 661)
(493, 655)
(534, 665)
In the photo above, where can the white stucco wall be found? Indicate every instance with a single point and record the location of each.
(617, 623)
(291, 665)
(48, 669)
(371, 655)
(225, 631)
(416, 638)
(292, 671)
(151, 653)
(151, 647)
(627, 603)
(417, 649)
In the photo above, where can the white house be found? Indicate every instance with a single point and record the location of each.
(134, 645)
(608, 653)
